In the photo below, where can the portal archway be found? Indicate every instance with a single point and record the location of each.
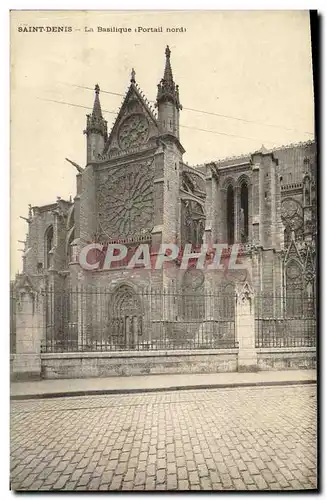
(125, 318)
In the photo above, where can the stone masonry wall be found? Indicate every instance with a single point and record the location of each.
(136, 363)
(77, 365)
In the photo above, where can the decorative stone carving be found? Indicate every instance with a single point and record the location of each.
(245, 293)
(292, 214)
(193, 279)
(293, 270)
(133, 131)
(193, 222)
(125, 200)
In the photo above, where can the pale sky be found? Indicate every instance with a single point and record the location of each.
(253, 65)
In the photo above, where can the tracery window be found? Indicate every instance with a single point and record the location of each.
(294, 289)
(292, 217)
(244, 223)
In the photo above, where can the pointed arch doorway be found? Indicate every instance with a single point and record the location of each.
(125, 315)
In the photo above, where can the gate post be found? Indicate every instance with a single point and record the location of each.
(245, 329)
(29, 330)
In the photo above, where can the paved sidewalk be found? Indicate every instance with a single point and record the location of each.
(155, 383)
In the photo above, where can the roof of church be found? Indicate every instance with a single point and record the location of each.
(133, 87)
(290, 157)
(263, 149)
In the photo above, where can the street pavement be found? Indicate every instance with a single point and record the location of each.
(149, 383)
(245, 438)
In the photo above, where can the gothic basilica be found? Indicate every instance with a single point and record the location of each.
(135, 188)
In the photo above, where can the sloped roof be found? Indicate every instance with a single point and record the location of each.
(133, 91)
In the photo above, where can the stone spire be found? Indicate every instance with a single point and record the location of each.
(167, 90)
(95, 121)
(168, 74)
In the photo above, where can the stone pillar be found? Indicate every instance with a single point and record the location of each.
(222, 218)
(255, 204)
(128, 331)
(237, 210)
(245, 329)
(209, 202)
(135, 324)
(29, 333)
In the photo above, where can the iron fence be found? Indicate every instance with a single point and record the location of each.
(85, 319)
(285, 321)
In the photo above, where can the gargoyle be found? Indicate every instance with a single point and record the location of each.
(78, 167)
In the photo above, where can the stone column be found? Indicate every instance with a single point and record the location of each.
(222, 224)
(237, 209)
(128, 331)
(245, 329)
(255, 204)
(29, 333)
(135, 320)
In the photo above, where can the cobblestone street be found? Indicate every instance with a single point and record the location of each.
(216, 439)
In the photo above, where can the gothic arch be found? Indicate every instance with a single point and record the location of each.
(229, 181)
(125, 316)
(124, 299)
(244, 178)
(294, 288)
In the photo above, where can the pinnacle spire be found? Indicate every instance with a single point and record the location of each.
(168, 74)
(133, 76)
(97, 106)
(167, 90)
(95, 121)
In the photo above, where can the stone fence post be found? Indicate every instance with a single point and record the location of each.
(29, 332)
(245, 329)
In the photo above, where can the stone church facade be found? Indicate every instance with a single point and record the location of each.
(135, 188)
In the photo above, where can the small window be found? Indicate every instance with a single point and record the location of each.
(48, 247)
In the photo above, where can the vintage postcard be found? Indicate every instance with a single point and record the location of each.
(163, 251)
